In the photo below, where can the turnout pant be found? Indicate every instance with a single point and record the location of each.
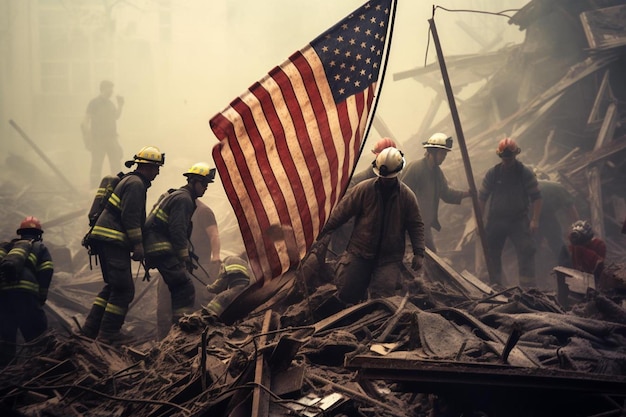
(518, 230)
(109, 309)
(181, 289)
(355, 275)
(19, 310)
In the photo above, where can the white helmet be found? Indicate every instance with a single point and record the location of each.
(439, 140)
(388, 163)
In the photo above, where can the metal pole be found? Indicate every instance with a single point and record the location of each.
(42, 155)
(462, 146)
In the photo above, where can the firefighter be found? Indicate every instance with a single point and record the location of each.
(116, 238)
(426, 179)
(511, 195)
(384, 211)
(341, 236)
(233, 278)
(168, 229)
(25, 273)
(587, 252)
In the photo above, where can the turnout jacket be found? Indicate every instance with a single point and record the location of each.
(125, 213)
(380, 227)
(168, 226)
(509, 191)
(36, 273)
(429, 186)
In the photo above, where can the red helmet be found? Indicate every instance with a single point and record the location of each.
(383, 143)
(507, 148)
(30, 223)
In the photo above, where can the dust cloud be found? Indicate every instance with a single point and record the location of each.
(177, 63)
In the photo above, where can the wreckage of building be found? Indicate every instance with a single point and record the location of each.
(448, 344)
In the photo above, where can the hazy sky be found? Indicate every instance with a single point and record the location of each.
(216, 50)
(224, 47)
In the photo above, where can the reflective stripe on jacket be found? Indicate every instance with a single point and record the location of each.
(122, 220)
(36, 274)
(168, 226)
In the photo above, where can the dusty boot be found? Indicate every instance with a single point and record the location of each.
(116, 338)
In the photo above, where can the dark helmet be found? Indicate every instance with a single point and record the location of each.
(580, 232)
(507, 148)
(30, 225)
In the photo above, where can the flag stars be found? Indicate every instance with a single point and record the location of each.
(352, 50)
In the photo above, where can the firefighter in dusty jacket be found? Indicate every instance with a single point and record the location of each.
(117, 238)
(234, 277)
(426, 179)
(167, 233)
(25, 273)
(510, 199)
(385, 210)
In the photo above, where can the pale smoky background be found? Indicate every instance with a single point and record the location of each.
(178, 63)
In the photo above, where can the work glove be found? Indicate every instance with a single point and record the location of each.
(321, 244)
(189, 265)
(417, 262)
(137, 252)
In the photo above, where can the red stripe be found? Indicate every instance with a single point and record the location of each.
(224, 130)
(274, 183)
(250, 180)
(325, 131)
(292, 180)
(304, 140)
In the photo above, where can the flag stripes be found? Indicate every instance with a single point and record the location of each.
(287, 148)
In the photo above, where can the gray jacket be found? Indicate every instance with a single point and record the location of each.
(380, 227)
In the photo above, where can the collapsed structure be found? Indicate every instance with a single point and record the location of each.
(449, 344)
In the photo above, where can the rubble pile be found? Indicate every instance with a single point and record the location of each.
(384, 357)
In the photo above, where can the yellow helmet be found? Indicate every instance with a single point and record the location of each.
(147, 155)
(201, 169)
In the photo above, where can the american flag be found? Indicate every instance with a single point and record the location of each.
(288, 145)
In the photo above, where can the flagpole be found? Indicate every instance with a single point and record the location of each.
(462, 145)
